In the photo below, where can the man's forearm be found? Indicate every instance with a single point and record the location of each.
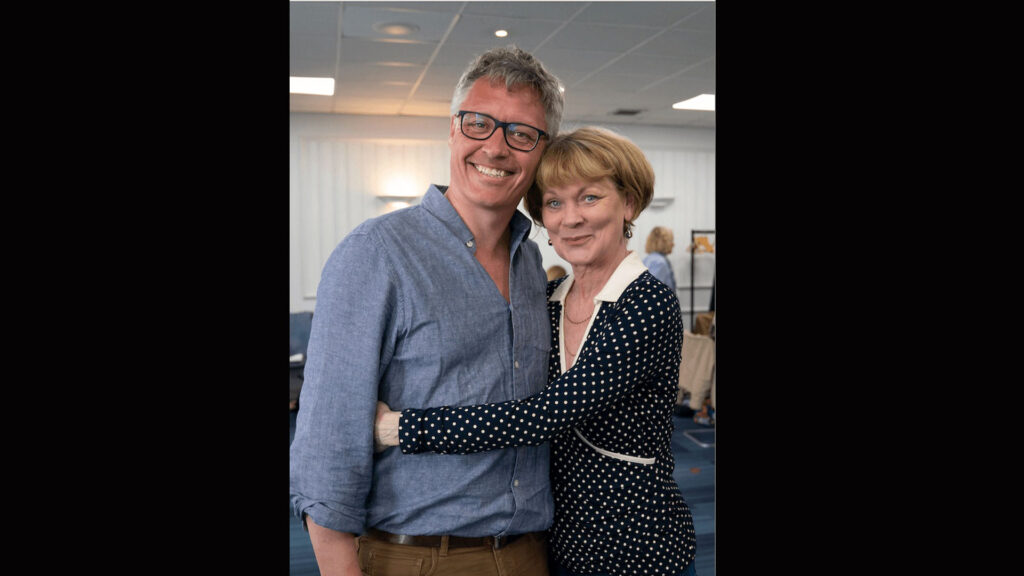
(335, 551)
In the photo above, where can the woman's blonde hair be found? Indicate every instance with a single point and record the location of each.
(590, 154)
(555, 272)
(659, 240)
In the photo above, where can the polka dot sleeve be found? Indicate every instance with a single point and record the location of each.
(631, 342)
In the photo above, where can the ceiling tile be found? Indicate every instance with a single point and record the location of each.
(704, 70)
(314, 18)
(358, 22)
(313, 48)
(607, 85)
(378, 73)
(435, 91)
(676, 88)
(453, 59)
(570, 65)
(703, 20)
(656, 14)
(649, 66)
(479, 31)
(679, 42)
(310, 68)
(601, 37)
(558, 11)
(449, 7)
(371, 51)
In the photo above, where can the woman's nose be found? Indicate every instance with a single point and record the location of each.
(572, 214)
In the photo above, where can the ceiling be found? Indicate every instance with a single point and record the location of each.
(610, 56)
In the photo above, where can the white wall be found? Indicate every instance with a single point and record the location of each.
(340, 164)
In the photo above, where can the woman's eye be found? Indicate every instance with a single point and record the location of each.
(553, 203)
(590, 198)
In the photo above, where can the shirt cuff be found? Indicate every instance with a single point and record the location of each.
(353, 522)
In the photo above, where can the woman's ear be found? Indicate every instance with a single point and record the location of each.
(630, 208)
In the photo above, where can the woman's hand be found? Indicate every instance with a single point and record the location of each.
(385, 431)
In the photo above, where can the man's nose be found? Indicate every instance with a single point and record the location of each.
(495, 145)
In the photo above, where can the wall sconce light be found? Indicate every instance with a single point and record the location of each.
(392, 206)
(395, 202)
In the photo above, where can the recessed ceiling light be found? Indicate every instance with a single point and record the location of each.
(395, 28)
(501, 33)
(306, 85)
(702, 102)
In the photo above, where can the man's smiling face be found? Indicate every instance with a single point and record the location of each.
(488, 173)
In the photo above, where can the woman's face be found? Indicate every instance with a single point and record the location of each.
(584, 220)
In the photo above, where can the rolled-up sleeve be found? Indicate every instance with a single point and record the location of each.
(354, 329)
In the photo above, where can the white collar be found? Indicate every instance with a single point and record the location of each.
(628, 270)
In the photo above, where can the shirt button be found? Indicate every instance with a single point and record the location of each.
(517, 363)
(515, 482)
(469, 244)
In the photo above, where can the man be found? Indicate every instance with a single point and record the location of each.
(441, 303)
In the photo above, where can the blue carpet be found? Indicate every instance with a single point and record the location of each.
(695, 474)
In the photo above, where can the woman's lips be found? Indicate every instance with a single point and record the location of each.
(575, 240)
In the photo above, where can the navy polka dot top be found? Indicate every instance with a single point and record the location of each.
(618, 508)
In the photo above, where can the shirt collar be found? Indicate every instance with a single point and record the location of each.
(434, 201)
(628, 270)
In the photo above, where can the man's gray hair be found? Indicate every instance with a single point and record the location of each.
(517, 68)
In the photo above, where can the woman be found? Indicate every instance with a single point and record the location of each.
(659, 245)
(613, 375)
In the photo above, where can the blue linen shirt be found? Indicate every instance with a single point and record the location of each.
(661, 269)
(407, 315)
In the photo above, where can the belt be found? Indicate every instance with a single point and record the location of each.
(495, 542)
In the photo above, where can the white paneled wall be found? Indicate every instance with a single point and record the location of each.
(340, 166)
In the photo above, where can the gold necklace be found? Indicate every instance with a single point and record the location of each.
(566, 312)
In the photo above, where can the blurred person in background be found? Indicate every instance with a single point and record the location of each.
(555, 272)
(659, 245)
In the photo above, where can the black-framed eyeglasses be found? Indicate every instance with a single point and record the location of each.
(479, 126)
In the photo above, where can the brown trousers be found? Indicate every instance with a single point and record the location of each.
(527, 556)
